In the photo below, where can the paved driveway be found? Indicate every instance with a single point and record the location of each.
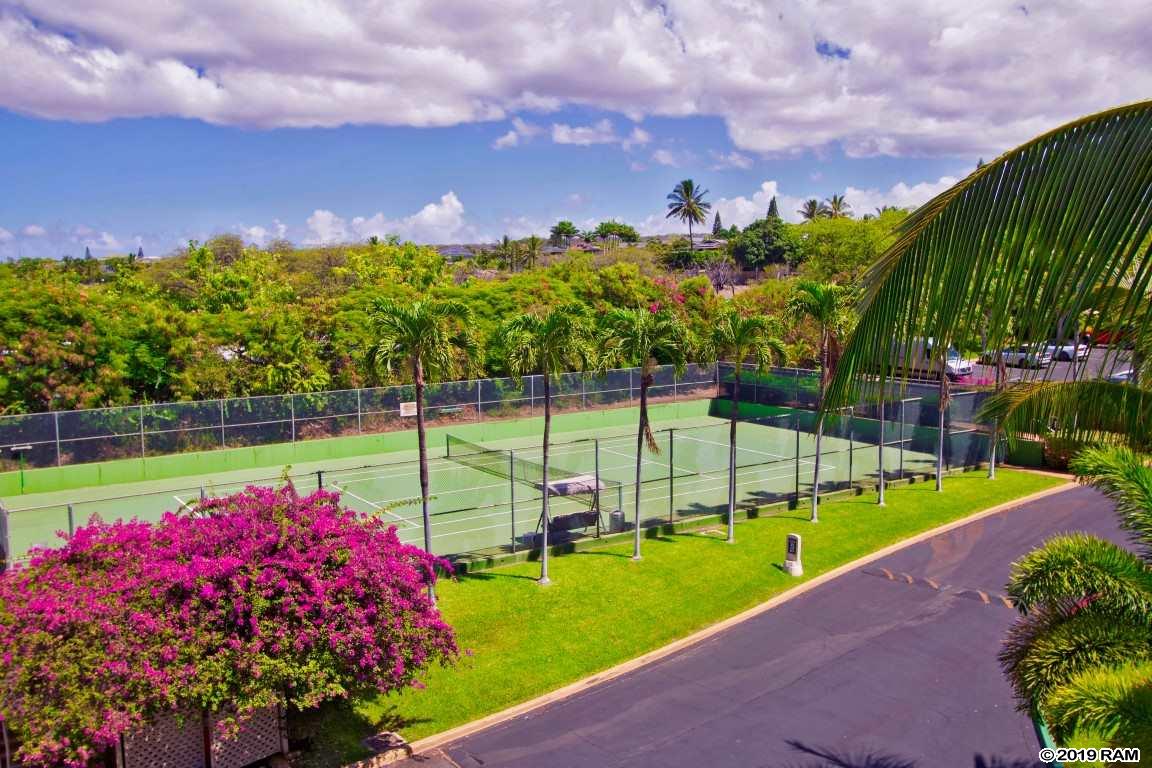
(892, 665)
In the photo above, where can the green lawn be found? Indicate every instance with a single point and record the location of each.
(603, 609)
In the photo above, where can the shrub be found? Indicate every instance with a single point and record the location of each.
(263, 597)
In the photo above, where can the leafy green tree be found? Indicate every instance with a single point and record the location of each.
(827, 304)
(643, 338)
(738, 338)
(813, 209)
(625, 232)
(686, 202)
(561, 230)
(551, 343)
(1081, 655)
(765, 241)
(840, 249)
(837, 207)
(431, 339)
(532, 246)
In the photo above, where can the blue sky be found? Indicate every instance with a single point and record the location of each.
(123, 126)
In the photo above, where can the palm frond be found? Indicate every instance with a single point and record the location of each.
(1114, 701)
(1125, 477)
(1091, 410)
(1076, 565)
(1057, 641)
(1015, 247)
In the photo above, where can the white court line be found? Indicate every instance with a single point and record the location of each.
(738, 447)
(183, 504)
(377, 507)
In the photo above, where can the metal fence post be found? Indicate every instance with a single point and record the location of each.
(479, 414)
(512, 495)
(140, 416)
(671, 474)
(5, 548)
(359, 414)
(631, 387)
(292, 414)
(532, 394)
(222, 443)
(596, 476)
(903, 408)
(880, 454)
(796, 457)
(851, 441)
(71, 520)
(56, 422)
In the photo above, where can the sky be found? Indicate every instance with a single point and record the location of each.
(147, 123)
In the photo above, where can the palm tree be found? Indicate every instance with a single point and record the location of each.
(431, 340)
(1081, 655)
(737, 338)
(556, 341)
(837, 207)
(532, 250)
(827, 305)
(642, 338)
(686, 202)
(812, 209)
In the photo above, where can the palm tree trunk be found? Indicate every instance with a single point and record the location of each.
(422, 441)
(943, 408)
(645, 382)
(691, 242)
(732, 456)
(544, 511)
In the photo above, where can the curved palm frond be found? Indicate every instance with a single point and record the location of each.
(1051, 645)
(552, 343)
(741, 338)
(436, 332)
(1112, 701)
(1015, 248)
(1091, 410)
(1125, 477)
(1073, 566)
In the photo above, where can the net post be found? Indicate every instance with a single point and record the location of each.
(903, 405)
(851, 441)
(596, 475)
(512, 497)
(203, 495)
(319, 479)
(71, 520)
(5, 546)
(796, 457)
(671, 474)
(880, 452)
(56, 424)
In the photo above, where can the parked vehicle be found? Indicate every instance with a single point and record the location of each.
(1065, 352)
(923, 360)
(1121, 377)
(1026, 356)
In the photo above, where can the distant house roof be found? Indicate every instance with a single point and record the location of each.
(454, 251)
(554, 250)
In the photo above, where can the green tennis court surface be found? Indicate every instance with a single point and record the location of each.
(480, 504)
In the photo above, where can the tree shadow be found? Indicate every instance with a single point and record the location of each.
(489, 575)
(831, 758)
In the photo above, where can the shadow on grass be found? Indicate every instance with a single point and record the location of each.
(335, 732)
(490, 575)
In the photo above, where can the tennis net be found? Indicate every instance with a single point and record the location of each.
(508, 465)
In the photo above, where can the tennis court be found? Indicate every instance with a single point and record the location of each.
(488, 497)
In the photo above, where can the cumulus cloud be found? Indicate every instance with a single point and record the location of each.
(665, 157)
(439, 222)
(5, 235)
(601, 132)
(33, 230)
(521, 131)
(733, 159)
(905, 77)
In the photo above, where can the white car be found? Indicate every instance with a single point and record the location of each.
(956, 366)
(1065, 352)
(1027, 357)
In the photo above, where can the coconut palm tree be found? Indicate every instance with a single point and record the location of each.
(550, 343)
(686, 202)
(827, 305)
(837, 207)
(1081, 655)
(738, 338)
(431, 341)
(643, 338)
(532, 250)
(812, 209)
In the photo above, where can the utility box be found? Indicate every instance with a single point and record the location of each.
(792, 564)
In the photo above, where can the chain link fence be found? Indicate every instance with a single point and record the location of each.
(103, 434)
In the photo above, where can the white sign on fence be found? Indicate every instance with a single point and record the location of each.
(408, 409)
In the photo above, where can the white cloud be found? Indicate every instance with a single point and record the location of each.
(5, 235)
(33, 230)
(665, 157)
(730, 160)
(915, 77)
(601, 132)
(522, 131)
(637, 138)
(439, 222)
(900, 195)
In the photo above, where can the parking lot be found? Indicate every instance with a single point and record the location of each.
(1100, 362)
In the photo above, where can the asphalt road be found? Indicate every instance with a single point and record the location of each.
(1100, 363)
(878, 671)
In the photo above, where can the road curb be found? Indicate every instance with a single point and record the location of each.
(461, 731)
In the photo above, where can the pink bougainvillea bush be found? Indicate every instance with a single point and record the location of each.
(263, 597)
